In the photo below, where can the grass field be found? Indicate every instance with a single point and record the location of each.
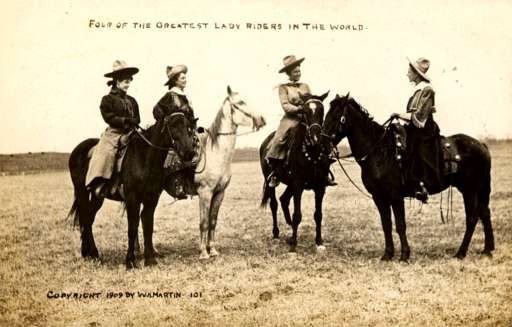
(255, 282)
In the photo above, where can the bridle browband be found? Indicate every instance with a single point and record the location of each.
(233, 107)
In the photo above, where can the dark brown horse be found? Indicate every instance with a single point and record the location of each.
(307, 169)
(142, 177)
(374, 150)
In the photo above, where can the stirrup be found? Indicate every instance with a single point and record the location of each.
(330, 179)
(422, 194)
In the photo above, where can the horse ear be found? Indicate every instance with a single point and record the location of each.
(229, 90)
(337, 96)
(323, 96)
(348, 95)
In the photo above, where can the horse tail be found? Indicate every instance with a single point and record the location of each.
(73, 212)
(266, 194)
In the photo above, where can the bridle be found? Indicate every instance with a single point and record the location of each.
(233, 107)
(305, 121)
(139, 130)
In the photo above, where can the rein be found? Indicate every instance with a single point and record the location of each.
(148, 142)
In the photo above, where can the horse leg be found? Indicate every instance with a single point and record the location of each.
(319, 196)
(147, 217)
(86, 214)
(133, 213)
(214, 211)
(273, 208)
(399, 213)
(387, 225)
(485, 215)
(297, 217)
(285, 203)
(205, 200)
(470, 206)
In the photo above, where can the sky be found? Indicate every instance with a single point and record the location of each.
(52, 60)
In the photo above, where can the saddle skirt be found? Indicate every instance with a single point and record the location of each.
(112, 168)
(449, 153)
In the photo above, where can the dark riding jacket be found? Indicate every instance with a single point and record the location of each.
(174, 101)
(116, 106)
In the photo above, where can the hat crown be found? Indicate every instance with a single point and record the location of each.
(422, 64)
(288, 60)
(118, 65)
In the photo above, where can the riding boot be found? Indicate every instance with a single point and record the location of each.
(100, 188)
(272, 180)
(175, 187)
(422, 193)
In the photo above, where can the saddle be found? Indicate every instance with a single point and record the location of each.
(114, 187)
(449, 153)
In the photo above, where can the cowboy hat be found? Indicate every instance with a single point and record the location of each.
(120, 68)
(290, 62)
(421, 66)
(173, 71)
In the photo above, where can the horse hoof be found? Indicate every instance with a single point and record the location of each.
(386, 257)
(320, 248)
(204, 256)
(150, 262)
(131, 265)
(275, 234)
(460, 255)
(487, 253)
(213, 252)
(404, 260)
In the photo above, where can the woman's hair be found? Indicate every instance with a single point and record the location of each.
(173, 80)
(114, 80)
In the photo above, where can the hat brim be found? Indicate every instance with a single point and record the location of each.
(419, 72)
(291, 65)
(128, 71)
(183, 69)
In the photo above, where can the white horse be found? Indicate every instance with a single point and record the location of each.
(213, 172)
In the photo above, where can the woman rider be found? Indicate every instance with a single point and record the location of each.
(423, 157)
(175, 100)
(121, 112)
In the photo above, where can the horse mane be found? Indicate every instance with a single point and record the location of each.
(376, 128)
(213, 131)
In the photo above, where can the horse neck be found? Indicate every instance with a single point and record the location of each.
(363, 134)
(148, 157)
(223, 145)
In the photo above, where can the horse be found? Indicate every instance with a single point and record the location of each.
(307, 169)
(141, 176)
(374, 150)
(213, 171)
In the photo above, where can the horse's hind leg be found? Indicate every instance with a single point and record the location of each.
(147, 217)
(319, 196)
(485, 214)
(285, 204)
(470, 205)
(87, 210)
(214, 212)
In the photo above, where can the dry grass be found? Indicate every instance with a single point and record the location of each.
(254, 282)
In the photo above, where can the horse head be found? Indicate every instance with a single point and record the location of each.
(313, 116)
(240, 113)
(178, 133)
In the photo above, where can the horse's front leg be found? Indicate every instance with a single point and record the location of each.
(387, 226)
(399, 213)
(205, 200)
(214, 211)
(133, 213)
(147, 217)
(319, 196)
(297, 217)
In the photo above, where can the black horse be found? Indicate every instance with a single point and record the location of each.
(307, 168)
(142, 177)
(374, 150)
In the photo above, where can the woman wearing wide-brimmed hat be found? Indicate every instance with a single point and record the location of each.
(175, 100)
(423, 158)
(291, 96)
(121, 112)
